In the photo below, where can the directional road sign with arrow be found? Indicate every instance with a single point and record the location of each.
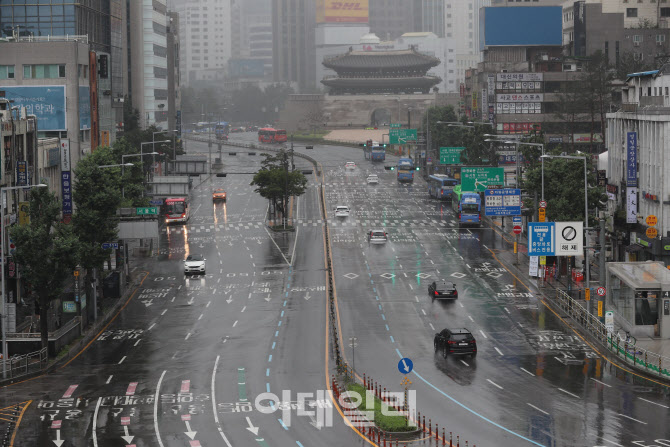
(405, 366)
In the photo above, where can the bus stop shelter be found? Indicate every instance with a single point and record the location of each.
(639, 295)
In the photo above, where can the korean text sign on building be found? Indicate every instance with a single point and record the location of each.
(631, 159)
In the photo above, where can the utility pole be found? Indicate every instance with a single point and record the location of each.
(603, 254)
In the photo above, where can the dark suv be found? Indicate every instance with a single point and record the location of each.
(455, 341)
(442, 289)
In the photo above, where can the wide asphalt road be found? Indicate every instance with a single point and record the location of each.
(187, 359)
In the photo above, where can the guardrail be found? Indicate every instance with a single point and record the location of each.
(21, 365)
(622, 347)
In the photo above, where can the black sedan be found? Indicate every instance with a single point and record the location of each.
(455, 342)
(442, 289)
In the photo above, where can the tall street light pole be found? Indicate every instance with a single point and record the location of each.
(5, 354)
(586, 216)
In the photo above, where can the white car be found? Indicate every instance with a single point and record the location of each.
(350, 165)
(194, 264)
(342, 211)
(373, 179)
(377, 237)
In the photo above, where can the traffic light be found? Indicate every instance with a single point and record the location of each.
(418, 168)
(389, 168)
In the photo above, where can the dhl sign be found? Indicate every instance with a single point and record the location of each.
(332, 11)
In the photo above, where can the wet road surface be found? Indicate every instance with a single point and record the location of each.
(187, 359)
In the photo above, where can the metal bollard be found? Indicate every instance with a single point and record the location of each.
(384, 395)
(458, 441)
(437, 431)
(424, 424)
(430, 429)
(444, 438)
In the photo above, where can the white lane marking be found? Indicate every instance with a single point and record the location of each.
(200, 317)
(431, 261)
(608, 386)
(416, 298)
(541, 411)
(410, 286)
(424, 312)
(568, 392)
(164, 312)
(463, 362)
(187, 336)
(499, 351)
(483, 334)
(158, 389)
(527, 372)
(214, 409)
(137, 342)
(243, 309)
(431, 326)
(461, 304)
(506, 309)
(493, 383)
(273, 241)
(471, 319)
(297, 232)
(109, 379)
(612, 442)
(235, 324)
(208, 303)
(95, 421)
(173, 298)
(632, 419)
(655, 403)
(151, 327)
(122, 359)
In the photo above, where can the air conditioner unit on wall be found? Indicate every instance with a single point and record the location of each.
(636, 44)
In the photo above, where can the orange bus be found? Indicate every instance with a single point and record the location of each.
(266, 135)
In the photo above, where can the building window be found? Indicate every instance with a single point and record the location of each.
(631, 12)
(44, 71)
(665, 12)
(6, 72)
(638, 56)
(660, 38)
(637, 38)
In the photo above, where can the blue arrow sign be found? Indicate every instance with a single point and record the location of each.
(405, 366)
(155, 202)
(516, 220)
(108, 245)
(541, 239)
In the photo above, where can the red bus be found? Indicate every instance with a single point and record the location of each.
(280, 136)
(266, 135)
(175, 210)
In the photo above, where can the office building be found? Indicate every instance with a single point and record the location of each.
(429, 16)
(389, 19)
(148, 56)
(103, 22)
(205, 39)
(174, 76)
(293, 35)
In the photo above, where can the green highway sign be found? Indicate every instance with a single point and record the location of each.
(148, 211)
(395, 126)
(402, 136)
(478, 179)
(451, 155)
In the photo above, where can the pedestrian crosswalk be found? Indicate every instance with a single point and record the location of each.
(333, 223)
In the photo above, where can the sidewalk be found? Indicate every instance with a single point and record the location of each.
(547, 288)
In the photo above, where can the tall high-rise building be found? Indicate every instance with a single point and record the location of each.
(252, 35)
(293, 34)
(147, 25)
(461, 19)
(389, 19)
(103, 23)
(205, 38)
(429, 16)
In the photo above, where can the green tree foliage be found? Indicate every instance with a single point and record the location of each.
(97, 194)
(47, 251)
(627, 65)
(276, 181)
(564, 188)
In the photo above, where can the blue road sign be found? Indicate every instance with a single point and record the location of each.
(405, 366)
(502, 202)
(541, 239)
(516, 220)
(155, 202)
(108, 245)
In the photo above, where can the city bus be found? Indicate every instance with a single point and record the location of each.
(467, 206)
(175, 210)
(266, 135)
(222, 130)
(374, 151)
(440, 186)
(280, 136)
(405, 170)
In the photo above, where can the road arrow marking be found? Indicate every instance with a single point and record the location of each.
(251, 427)
(314, 423)
(148, 302)
(307, 297)
(229, 300)
(127, 437)
(404, 364)
(58, 441)
(189, 302)
(268, 298)
(190, 433)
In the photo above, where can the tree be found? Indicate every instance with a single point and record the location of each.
(570, 108)
(277, 183)
(597, 79)
(564, 188)
(628, 64)
(47, 252)
(97, 194)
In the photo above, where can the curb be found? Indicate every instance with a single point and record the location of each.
(77, 348)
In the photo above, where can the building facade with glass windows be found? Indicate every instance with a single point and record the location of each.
(103, 21)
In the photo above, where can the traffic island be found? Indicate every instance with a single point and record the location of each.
(387, 418)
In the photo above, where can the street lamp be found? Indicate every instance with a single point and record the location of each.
(174, 141)
(586, 214)
(2, 275)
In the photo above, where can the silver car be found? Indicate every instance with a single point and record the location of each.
(377, 237)
(194, 264)
(373, 179)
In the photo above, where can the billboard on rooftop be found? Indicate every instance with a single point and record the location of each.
(520, 26)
